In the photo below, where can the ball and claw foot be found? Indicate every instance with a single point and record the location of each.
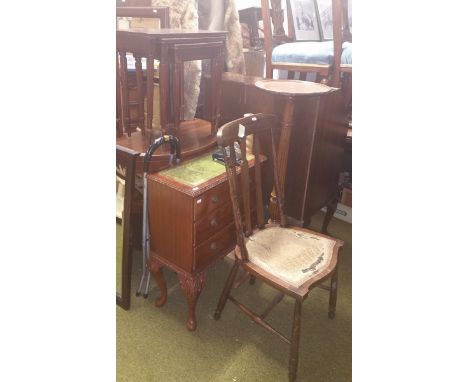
(331, 315)
(145, 295)
(138, 294)
(216, 316)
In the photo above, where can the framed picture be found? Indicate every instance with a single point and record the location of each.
(326, 19)
(305, 20)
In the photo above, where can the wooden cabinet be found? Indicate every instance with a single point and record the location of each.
(191, 224)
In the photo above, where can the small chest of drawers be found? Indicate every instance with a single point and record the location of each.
(191, 224)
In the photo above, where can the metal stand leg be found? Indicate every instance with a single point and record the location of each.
(145, 238)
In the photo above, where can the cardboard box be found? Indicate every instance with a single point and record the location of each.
(346, 197)
(342, 212)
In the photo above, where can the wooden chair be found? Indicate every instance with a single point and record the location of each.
(290, 259)
(133, 104)
(284, 52)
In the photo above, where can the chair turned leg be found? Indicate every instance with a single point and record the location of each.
(226, 290)
(333, 294)
(294, 349)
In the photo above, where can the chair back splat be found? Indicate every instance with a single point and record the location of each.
(244, 138)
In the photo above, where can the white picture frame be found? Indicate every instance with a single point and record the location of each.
(305, 20)
(326, 18)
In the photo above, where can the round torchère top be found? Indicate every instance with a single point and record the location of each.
(293, 87)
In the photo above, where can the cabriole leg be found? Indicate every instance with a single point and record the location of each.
(155, 268)
(192, 286)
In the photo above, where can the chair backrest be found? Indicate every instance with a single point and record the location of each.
(274, 32)
(273, 28)
(139, 17)
(260, 130)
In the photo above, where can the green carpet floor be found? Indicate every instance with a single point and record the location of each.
(154, 345)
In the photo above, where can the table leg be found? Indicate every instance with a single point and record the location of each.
(164, 92)
(155, 268)
(215, 91)
(140, 96)
(331, 209)
(149, 94)
(282, 157)
(124, 84)
(178, 92)
(192, 286)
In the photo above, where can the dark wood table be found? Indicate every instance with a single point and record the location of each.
(171, 47)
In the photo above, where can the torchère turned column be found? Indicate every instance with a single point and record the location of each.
(291, 90)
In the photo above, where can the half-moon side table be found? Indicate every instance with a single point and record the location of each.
(291, 90)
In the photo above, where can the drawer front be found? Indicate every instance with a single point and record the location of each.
(220, 242)
(210, 200)
(208, 225)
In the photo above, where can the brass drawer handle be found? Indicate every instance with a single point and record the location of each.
(214, 222)
(213, 246)
(215, 199)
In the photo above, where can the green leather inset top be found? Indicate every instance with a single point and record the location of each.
(195, 171)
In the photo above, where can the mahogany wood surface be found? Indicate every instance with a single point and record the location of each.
(168, 46)
(195, 139)
(317, 141)
(188, 52)
(236, 131)
(292, 90)
(191, 227)
(192, 285)
(194, 136)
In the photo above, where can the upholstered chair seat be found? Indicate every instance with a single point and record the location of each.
(310, 52)
(294, 256)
